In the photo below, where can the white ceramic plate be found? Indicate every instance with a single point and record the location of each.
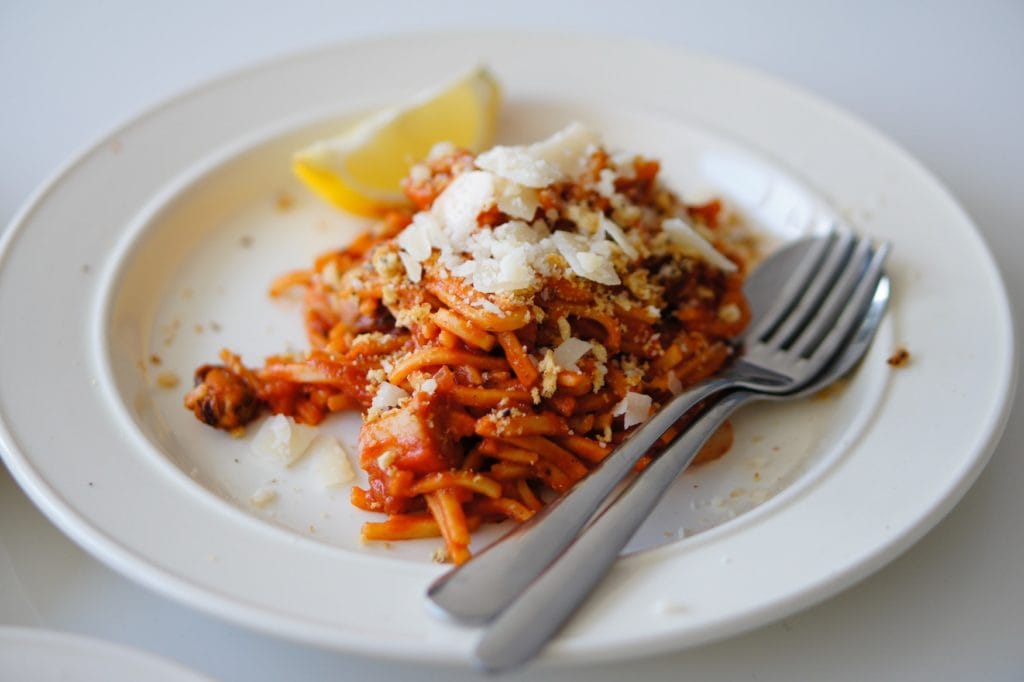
(50, 656)
(160, 241)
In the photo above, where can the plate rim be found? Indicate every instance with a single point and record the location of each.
(115, 652)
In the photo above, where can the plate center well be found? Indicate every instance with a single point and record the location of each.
(193, 279)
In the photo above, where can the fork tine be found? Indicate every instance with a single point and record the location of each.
(836, 300)
(853, 312)
(790, 293)
(814, 294)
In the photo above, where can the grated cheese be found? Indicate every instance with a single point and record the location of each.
(515, 200)
(386, 459)
(730, 312)
(458, 206)
(576, 250)
(549, 374)
(564, 329)
(419, 173)
(600, 372)
(440, 150)
(517, 255)
(388, 396)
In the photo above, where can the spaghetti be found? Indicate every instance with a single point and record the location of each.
(504, 334)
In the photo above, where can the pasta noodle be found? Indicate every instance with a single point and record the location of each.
(502, 335)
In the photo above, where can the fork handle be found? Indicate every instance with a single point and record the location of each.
(522, 630)
(482, 588)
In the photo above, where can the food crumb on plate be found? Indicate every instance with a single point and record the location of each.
(284, 202)
(664, 607)
(167, 380)
(262, 497)
(900, 358)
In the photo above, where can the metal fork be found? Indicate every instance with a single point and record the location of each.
(818, 308)
(522, 630)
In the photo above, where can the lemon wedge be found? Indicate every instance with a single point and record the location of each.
(361, 169)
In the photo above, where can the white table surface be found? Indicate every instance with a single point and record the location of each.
(944, 79)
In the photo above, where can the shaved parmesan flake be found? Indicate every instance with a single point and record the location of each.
(333, 467)
(415, 239)
(388, 396)
(490, 307)
(464, 269)
(514, 272)
(517, 233)
(515, 200)
(674, 385)
(686, 237)
(615, 232)
(568, 149)
(281, 439)
(436, 235)
(519, 166)
(559, 157)
(597, 268)
(413, 268)
(606, 183)
(636, 408)
(570, 351)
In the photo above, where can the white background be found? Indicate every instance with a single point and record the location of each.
(943, 79)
